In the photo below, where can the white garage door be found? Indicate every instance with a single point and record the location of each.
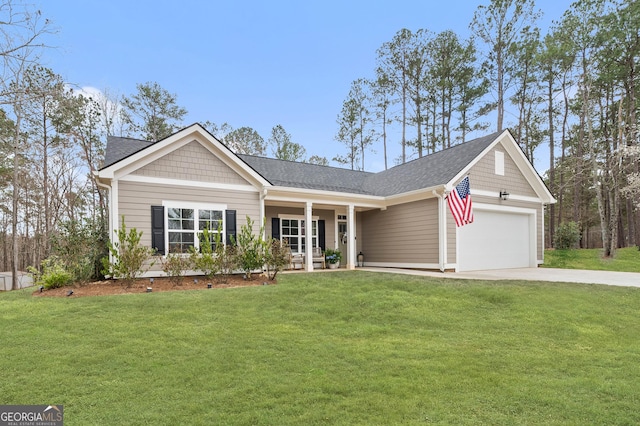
(495, 240)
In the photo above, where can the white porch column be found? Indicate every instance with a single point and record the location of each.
(308, 229)
(351, 237)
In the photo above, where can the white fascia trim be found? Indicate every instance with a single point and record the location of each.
(508, 209)
(418, 194)
(188, 183)
(165, 146)
(192, 205)
(296, 216)
(512, 148)
(512, 197)
(282, 193)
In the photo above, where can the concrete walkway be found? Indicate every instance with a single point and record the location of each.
(624, 279)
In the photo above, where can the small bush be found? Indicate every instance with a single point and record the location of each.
(80, 245)
(128, 255)
(53, 274)
(175, 265)
(206, 260)
(250, 248)
(276, 257)
(567, 236)
(227, 261)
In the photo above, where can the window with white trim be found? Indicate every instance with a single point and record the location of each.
(293, 231)
(186, 223)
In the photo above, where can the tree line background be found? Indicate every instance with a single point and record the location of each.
(570, 90)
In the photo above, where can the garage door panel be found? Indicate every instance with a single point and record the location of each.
(495, 240)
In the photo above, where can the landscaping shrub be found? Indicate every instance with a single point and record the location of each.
(250, 249)
(276, 257)
(129, 257)
(206, 260)
(226, 259)
(80, 246)
(175, 265)
(567, 236)
(52, 275)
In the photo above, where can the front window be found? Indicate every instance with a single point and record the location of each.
(294, 232)
(185, 226)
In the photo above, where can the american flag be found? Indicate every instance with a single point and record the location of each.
(459, 200)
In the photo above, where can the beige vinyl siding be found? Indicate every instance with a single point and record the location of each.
(483, 176)
(135, 201)
(451, 237)
(406, 233)
(192, 162)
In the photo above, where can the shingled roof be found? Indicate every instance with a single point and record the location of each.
(309, 176)
(119, 148)
(426, 172)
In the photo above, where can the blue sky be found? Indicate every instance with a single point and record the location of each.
(255, 64)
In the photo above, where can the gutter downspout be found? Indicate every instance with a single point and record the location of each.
(442, 231)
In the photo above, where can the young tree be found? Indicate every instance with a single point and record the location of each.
(360, 94)
(47, 122)
(500, 25)
(250, 248)
(152, 112)
(470, 87)
(21, 41)
(348, 132)
(527, 93)
(419, 86)
(245, 140)
(317, 159)
(380, 101)
(283, 148)
(393, 61)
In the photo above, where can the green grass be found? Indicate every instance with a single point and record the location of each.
(342, 348)
(625, 259)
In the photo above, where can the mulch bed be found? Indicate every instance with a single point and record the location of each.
(109, 287)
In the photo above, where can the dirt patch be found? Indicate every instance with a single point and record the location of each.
(109, 287)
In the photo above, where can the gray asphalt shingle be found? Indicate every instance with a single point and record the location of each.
(428, 171)
(119, 148)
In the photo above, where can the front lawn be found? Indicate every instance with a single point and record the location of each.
(347, 347)
(625, 259)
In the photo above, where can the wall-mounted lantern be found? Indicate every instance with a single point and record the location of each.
(504, 195)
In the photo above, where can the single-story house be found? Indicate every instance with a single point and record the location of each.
(173, 188)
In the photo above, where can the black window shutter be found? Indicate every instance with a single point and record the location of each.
(321, 240)
(230, 223)
(157, 229)
(275, 228)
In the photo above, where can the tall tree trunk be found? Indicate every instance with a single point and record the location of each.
(552, 167)
(15, 199)
(500, 65)
(384, 137)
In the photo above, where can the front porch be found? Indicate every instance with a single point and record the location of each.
(333, 226)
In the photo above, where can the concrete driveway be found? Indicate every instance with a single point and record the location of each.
(624, 279)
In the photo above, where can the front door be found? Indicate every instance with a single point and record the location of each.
(342, 237)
